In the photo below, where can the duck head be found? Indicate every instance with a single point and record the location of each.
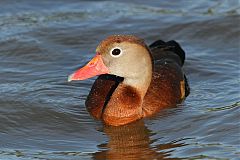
(121, 55)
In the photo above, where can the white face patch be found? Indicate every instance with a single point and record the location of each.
(116, 52)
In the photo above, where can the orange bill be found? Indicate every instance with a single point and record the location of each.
(93, 68)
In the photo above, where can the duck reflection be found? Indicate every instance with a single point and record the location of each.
(132, 142)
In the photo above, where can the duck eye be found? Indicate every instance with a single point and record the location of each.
(116, 52)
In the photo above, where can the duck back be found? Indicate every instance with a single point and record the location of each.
(169, 85)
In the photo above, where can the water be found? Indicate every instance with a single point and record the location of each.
(44, 117)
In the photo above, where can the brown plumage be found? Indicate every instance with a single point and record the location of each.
(140, 81)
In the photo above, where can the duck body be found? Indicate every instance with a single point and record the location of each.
(155, 81)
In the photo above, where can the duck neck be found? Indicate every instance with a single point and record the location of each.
(125, 104)
(140, 81)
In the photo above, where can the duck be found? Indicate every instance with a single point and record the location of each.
(134, 80)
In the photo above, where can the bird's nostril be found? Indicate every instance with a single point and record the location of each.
(91, 64)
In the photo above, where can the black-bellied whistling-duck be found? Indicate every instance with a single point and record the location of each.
(135, 81)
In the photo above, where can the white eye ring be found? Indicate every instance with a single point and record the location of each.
(116, 52)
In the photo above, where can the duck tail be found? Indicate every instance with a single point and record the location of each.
(170, 46)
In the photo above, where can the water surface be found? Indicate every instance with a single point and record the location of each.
(44, 117)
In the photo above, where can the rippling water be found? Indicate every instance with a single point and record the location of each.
(44, 117)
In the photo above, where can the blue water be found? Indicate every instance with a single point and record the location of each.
(44, 117)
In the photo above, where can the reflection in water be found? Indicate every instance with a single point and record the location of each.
(132, 142)
(42, 117)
